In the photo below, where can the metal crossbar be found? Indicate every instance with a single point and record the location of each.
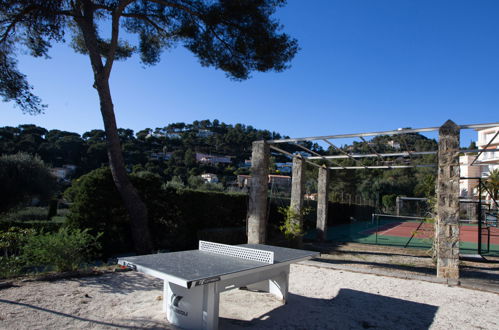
(237, 252)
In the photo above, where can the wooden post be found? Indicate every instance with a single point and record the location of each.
(297, 189)
(447, 229)
(322, 203)
(258, 191)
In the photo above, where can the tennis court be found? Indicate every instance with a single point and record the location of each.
(411, 232)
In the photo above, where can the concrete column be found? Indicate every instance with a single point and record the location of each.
(322, 203)
(258, 191)
(447, 229)
(297, 190)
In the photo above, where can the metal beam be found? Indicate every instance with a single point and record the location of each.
(347, 136)
(478, 150)
(342, 151)
(371, 148)
(291, 155)
(478, 126)
(394, 132)
(393, 154)
(381, 167)
(317, 154)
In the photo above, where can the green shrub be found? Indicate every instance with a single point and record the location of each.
(175, 216)
(22, 177)
(388, 202)
(290, 227)
(66, 250)
(45, 226)
(13, 239)
(26, 214)
(11, 242)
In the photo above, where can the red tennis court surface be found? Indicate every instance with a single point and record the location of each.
(468, 233)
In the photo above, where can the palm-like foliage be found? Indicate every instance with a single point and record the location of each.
(492, 183)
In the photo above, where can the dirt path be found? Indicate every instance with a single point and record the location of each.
(320, 298)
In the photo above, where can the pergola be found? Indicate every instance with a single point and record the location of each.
(447, 229)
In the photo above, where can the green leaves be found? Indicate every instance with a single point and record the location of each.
(22, 177)
(234, 36)
(66, 249)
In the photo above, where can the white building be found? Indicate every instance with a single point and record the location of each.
(467, 186)
(210, 178)
(212, 159)
(488, 160)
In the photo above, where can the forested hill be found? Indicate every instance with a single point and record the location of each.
(168, 151)
(175, 151)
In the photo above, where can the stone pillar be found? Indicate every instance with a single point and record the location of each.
(297, 190)
(322, 203)
(258, 192)
(447, 228)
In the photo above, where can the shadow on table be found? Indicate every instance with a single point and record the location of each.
(350, 309)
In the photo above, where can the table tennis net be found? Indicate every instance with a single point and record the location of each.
(237, 252)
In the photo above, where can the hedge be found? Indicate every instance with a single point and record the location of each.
(178, 218)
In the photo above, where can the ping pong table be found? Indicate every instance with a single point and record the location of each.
(193, 280)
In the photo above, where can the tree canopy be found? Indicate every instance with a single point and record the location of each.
(235, 36)
(22, 177)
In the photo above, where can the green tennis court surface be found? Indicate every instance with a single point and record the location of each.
(411, 234)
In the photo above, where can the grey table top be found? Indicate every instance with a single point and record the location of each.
(195, 265)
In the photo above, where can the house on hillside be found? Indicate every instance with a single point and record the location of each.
(394, 144)
(204, 133)
(210, 177)
(212, 159)
(160, 155)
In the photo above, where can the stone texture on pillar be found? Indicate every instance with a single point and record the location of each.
(297, 190)
(322, 203)
(447, 228)
(398, 205)
(258, 191)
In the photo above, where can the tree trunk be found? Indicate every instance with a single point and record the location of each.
(135, 206)
(131, 199)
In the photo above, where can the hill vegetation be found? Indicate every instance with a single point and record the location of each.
(170, 152)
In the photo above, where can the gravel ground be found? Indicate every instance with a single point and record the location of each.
(320, 298)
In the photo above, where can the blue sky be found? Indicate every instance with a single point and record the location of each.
(364, 65)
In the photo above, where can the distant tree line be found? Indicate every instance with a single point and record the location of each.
(180, 142)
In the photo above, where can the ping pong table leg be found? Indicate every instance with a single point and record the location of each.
(278, 285)
(166, 296)
(211, 299)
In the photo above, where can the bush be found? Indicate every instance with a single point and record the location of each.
(23, 177)
(26, 214)
(11, 242)
(38, 226)
(66, 250)
(175, 216)
(97, 205)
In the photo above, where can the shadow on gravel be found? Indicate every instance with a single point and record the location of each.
(350, 309)
(122, 283)
(94, 322)
(415, 269)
